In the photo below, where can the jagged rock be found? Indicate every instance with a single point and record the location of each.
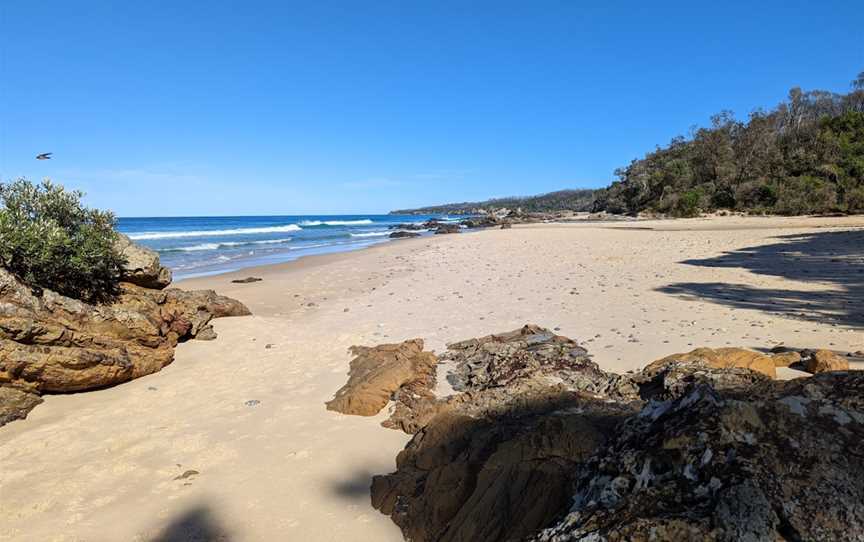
(377, 373)
(532, 351)
(52, 343)
(403, 234)
(822, 361)
(506, 226)
(447, 228)
(16, 403)
(779, 462)
(142, 265)
(720, 358)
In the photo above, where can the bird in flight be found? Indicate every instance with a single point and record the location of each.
(44, 156)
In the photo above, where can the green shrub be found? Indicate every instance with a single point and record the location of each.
(805, 195)
(689, 204)
(48, 239)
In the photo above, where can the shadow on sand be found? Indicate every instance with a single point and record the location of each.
(834, 258)
(196, 524)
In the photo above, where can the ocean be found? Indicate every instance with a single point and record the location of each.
(197, 246)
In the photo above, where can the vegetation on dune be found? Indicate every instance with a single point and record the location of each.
(49, 239)
(805, 156)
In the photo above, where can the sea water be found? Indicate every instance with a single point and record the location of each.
(197, 246)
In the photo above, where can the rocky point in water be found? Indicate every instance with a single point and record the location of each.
(50, 343)
(541, 444)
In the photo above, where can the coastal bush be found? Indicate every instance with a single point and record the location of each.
(689, 204)
(50, 240)
(804, 156)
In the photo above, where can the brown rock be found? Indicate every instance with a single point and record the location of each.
(823, 361)
(719, 358)
(52, 343)
(16, 403)
(142, 265)
(377, 373)
(785, 359)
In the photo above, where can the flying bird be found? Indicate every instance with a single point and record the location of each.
(44, 156)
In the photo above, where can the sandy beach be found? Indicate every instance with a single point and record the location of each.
(232, 440)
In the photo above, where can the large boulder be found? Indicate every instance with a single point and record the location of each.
(52, 343)
(142, 265)
(822, 361)
(721, 358)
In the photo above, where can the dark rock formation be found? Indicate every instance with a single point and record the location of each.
(496, 462)
(541, 444)
(531, 352)
(447, 228)
(775, 462)
(403, 234)
(52, 343)
(377, 373)
(247, 280)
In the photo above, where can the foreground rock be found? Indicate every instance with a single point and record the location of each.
(776, 463)
(377, 373)
(52, 343)
(541, 444)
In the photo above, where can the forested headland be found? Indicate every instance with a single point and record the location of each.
(804, 156)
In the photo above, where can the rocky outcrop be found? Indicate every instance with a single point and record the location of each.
(721, 358)
(496, 464)
(142, 265)
(403, 234)
(51, 343)
(376, 374)
(781, 462)
(541, 444)
(447, 228)
(496, 461)
(531, 352)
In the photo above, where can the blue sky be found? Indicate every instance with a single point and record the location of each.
(214, 108)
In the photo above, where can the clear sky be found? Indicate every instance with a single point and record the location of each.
(211, 108)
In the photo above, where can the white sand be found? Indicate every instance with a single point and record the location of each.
(101, 465)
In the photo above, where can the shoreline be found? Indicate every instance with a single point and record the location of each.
(246, 411)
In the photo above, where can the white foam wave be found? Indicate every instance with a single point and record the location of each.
(336, 222)
(371, 234)
(216, 246)
(213, 233)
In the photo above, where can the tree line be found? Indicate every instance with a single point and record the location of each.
(805, 156)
